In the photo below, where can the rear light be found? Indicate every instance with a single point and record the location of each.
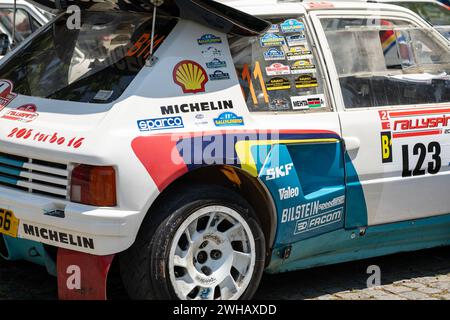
(93, 185)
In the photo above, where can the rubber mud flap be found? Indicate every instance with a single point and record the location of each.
(82, 276)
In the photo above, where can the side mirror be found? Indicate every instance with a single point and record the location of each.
(4, 44)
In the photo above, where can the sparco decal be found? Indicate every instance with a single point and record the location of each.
(197, 107)
(160, 124)
(25, 113)
(59, 237)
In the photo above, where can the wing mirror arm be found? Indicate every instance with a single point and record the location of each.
(152, 59)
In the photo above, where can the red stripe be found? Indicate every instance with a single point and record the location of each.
(418, 112)
(417, 133)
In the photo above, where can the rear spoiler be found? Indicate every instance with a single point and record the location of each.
(208, 12)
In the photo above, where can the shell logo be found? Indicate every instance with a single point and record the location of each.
(190, 76)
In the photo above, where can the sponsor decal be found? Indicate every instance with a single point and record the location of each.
(197, 107)
(272, 40)
(219, 75)
(160, 124)
(292, 26)
(318, 221)
(6, 93)
(299, 53)
(201, 120)
(278, 83)
(308, 102)
(274, 29)
(216, 64)
(33, 232)
(209, 39)
(386, 147)
(274, 54)
(296, 40)
(190, 76)
(42, 137)
(227, 119)
(303, 66)
(288, 193)
(278, 69)
(306, 81)
(279, 172)
(103, 95)
(25, 113)
(212, 52)
(320, 5)
(279, 104)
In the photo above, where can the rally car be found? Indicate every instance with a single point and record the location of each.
(198, 144)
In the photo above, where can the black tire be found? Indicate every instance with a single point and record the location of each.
(144, 267)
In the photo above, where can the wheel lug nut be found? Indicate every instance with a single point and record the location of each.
(202, 257)
(216, 254)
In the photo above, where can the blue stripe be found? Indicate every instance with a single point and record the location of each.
(11, 162)
(10, 171)
(8, 180)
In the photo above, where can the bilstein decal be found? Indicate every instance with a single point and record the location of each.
(197, 107)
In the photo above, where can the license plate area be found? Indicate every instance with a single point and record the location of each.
(9, 224)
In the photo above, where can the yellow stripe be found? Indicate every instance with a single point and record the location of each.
(248, 163)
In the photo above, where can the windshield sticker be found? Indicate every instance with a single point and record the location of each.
(6, 93)
(308, 102)
(25, 113)
(291, 26)
(303, 66)
(278, 83)
(142, 45)
(219, 75)
(211, 53)
(274, 29)
(279, 104)
(39, 136)
(103, 95)
(278, 69)
(274, 54)
(272, 40)
(209, 39)
(160, 124)
(190, 76)
(216, 64)
(299, 53)
(306, 81)
(228, 119)
(296, 40)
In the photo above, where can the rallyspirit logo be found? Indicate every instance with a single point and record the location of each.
(25, 113)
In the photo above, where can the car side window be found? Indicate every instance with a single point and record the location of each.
(24, 23)
(383, 62)
(278, 70)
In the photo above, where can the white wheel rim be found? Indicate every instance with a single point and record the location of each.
(212, 255)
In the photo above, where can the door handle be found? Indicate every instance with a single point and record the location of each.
(352, 143)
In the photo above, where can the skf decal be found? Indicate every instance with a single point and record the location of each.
(197, 107)
(386, 147)
(190, 76)
(228, 119)
(278, 172)
(25, 113)
(34, 232)
(6, 94)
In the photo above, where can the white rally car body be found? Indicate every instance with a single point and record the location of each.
(338, 169)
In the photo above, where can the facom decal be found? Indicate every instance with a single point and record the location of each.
(303, 66)
(219, 75)
(292, 26)
(227, 119)
(278, 83)
(272, 40)
(308, 102)
(306, 81)
(278, 172)
(212, 52)
(197, 107)
(318, 221)
(288, 193)
(279, 104)
(274, 28)
(216, 64)
(190, 76)
(278, 69)
(274, 54)
(296, 40)
(39, 136)
(160, 124)
(209, 39)
(34, 232)
(299, 53)
(6, 93)
(25, 113)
